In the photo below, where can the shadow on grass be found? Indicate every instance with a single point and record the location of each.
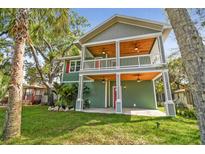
(52, 124)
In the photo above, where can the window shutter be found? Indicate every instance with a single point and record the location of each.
(67, 67)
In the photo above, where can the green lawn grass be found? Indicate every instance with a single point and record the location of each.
(39, 126)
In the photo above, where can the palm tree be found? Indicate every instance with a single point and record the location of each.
(193, 56)
(12, 127)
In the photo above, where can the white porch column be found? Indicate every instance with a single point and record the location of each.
(118, 80)
(118, 94)
(79, 101)
(161, 49)
(109, 101)
(169, 104)
(117, 44)
(106, 93)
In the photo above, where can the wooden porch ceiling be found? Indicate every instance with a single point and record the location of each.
(127, 48)
(134, 76)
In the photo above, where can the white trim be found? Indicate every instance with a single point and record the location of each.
(89, 78)
(152, 35)
(77, 81)
(124, 70)
(131, 72)
(68, 58)
(145, 20)
(156, 77)
(99, 58)
(63, 70)
(154, 90)
(75, 61)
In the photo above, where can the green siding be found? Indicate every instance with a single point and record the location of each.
(71, 76)
(97, 94)
(120, 30)
(141, 94)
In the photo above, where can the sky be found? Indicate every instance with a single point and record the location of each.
(99, 15)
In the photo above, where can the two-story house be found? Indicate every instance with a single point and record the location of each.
(120, 61)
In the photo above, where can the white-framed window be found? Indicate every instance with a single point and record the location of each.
(74, 65)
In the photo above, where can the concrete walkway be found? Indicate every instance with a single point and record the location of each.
(128, 111)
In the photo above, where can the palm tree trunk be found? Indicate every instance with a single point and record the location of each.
(12, 127)
(193, 56)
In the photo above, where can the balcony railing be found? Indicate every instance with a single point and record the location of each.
(128, 61)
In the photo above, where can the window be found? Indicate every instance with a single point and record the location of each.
(77, 65)
(74, 65)
(38, 92)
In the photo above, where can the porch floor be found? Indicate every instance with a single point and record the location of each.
(127, 111)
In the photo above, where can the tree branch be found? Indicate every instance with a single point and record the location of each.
(4, 32)
(42, 54)
(56, 69)
(33, 50)
(48, 44)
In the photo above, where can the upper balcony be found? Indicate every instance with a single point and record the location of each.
(125, 61)
(136, 53)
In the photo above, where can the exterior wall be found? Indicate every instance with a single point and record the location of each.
(74, 76)
(71, 76)
(141, 94)
(97, 94)
(120, 30)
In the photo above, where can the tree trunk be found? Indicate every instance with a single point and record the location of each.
(50, 97)
(193, 57)
(12, 127)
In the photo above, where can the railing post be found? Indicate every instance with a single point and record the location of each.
(138, 58)
(106, 60)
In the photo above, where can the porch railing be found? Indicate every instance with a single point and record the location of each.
(128, 61)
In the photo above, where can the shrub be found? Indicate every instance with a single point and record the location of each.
(187, 113)
(68, 94)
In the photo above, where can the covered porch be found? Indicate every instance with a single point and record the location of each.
(125, 93)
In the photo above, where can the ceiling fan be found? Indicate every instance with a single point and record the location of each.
(104, 51)
(138, 78)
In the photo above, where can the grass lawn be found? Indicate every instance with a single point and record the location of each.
(39, 126)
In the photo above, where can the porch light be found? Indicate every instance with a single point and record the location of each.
(136, 49)
(138, 78)
(103, 52)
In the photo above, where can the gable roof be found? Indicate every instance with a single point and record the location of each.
(150, 24)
